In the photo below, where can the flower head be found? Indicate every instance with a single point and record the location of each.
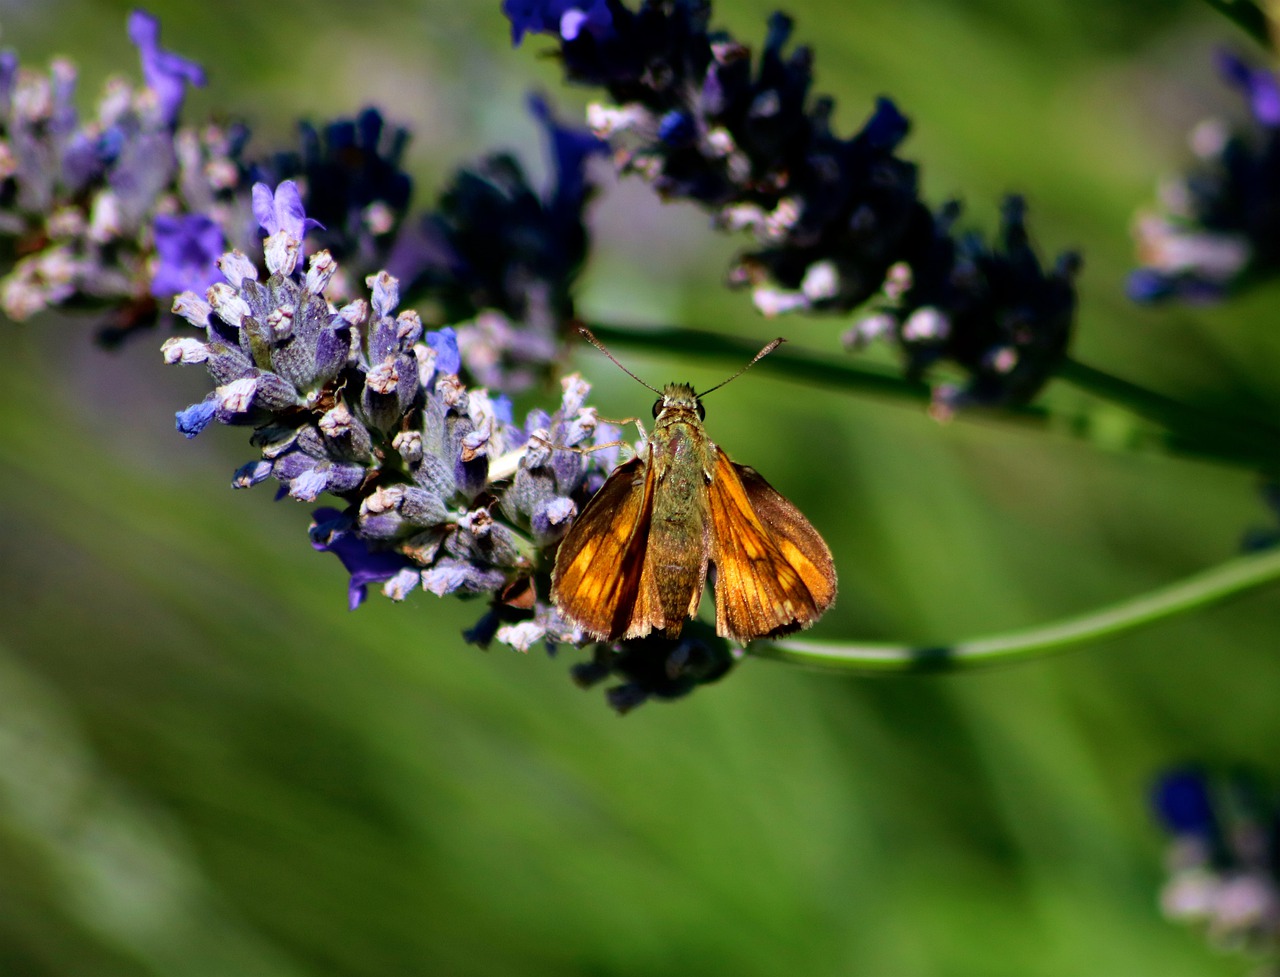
(835, 219)
(116, 208)
(441, 490)
(993, 310)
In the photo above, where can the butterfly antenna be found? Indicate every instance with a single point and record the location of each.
(769, 348)
(600, 346)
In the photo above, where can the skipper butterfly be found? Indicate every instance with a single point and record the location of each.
(637, 557)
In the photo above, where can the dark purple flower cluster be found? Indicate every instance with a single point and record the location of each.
(354, 186)
(442, 490)
(1220, 223)
(991, 309)
(503, 258)
(658, 668)
(1224, 858)
(836, 220)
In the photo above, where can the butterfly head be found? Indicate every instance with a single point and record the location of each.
(678, 398)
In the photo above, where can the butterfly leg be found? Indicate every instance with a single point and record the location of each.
(595, 447)
(505, 466)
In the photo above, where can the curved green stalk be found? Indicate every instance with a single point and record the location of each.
(1215, 584)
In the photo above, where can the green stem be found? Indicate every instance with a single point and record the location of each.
(785, 361)
(1186, 430)
(1191, 429)
(1215, 584)
(1246, 15)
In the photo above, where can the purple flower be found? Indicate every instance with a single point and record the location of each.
(571, 147)
(502, 408)
(1182, 802)
(331, 533)
(1259, 85)
(445, 344)
(1217, 228)
(167, 74)
(196, 418)
(188, 247)
(281, 210)
(565, 18)
(677, 128)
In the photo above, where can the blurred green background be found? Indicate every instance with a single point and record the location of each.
(209, 767)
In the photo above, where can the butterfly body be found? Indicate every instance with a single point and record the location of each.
(681, 459)
(636, 559)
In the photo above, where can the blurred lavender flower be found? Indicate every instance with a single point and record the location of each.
(563, 17)
(442, 490)
(187, 250)
(123, 211)
(500, 260)
(126, 208)
(836, 220)
(1220, 223)
(103, 211)
(1224, 858)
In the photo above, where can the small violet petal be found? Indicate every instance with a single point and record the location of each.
(196, 418)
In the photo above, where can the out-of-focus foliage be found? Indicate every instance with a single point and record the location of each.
(208, 766)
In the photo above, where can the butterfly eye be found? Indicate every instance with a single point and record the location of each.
(657, 407)
(702, 412)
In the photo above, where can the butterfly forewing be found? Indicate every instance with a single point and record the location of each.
(600, 581)
(774, 573)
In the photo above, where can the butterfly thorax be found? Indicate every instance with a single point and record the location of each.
(679, 446)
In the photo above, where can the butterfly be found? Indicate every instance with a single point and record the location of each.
(637, 557)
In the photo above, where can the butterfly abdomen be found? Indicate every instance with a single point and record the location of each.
(678, 546)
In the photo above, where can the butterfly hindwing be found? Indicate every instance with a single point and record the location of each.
(774, 573)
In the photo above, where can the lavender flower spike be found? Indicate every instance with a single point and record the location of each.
(438, 489)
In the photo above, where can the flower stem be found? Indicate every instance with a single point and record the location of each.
(1186, 430)
(785, 361)
(1191, 429)
(1206, 587)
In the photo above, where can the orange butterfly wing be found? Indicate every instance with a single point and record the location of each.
(600, 581)
(774, 573)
